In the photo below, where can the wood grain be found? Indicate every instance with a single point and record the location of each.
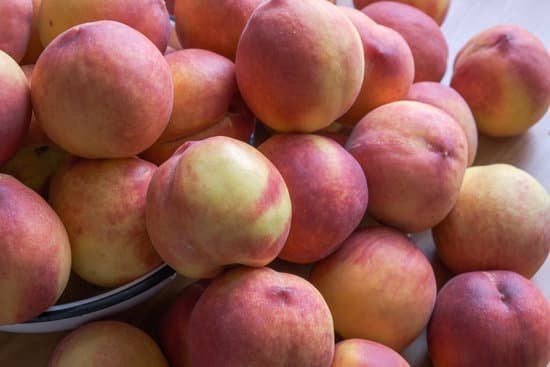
(530, 152)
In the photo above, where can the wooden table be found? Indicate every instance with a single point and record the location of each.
(529, 151)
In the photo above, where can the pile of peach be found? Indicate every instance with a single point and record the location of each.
(120, 153)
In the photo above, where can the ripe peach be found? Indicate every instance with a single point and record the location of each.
(217, 202)
(36, 255)
(504, 75)
(214, 25)
(34, 46)
(117, 105)
(174, 325)
(437, 9)
(450, 101)
(102, 204)
(414, 156)
(328, 191)
(261, 318)
(107, 343)
(495, 318)
(425, 38)
(389, 66)
(294, 74)
(365, 353)
(206, 102)
(501, 221)
(149, 17)
(16, 20)
(15, 107)
(378, 286)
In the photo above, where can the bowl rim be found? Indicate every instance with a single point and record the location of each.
(105, 300)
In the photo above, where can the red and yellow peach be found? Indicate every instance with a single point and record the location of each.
(504, 75)
(299, 64)
(378, 286)
(328, 191)
(258, 318)
(217, 202)
(91, 96)
(102, 204)
(36, 255)
(425, 38)
(389, 66)
(414, 156)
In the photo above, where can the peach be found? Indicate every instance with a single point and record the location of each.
(378, 286)
(216, 202)
(328, 191)
(504, 75)
(293, 74)
(422, 33)
(389, 66)
(450, 101)
(15, 107)
(106, 344)
(261, 318)
(414, 156)
(116, 106)
(36, 255)
(149, 17)
(102, 204)
(34, 47)
(437, 9)
(38, 157)
(214, 25)
(204, 89)
(495, 318)
(16, 20)
(501, 221)
(204, 84)
(365, 353)
(174, 325)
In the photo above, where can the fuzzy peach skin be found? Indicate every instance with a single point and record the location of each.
(389, 66)
(15, 107)
(174, 325)
(365, 353)
(204, 88)
(501, 221)
(38, 157)
(16, 20)
(299, 64)
(504, 75)
(486, 319)
(437, 9)
(328, 191)
(414, 156)
(450, 101)
(149, 17)
(217, 202)
(425, 38)
(238, 123)
(378, 286)
(36, 255)
(34, 46)
(102, 204)
(107, 344)
(258, 317)
(102, 90)
(214, 25)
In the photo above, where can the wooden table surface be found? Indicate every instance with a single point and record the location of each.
(529, 152)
